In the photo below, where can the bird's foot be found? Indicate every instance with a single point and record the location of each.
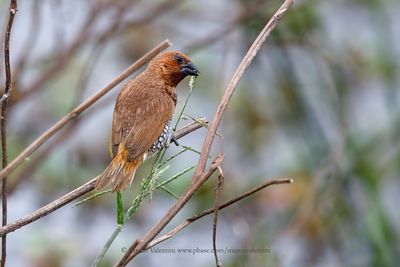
(174, 140)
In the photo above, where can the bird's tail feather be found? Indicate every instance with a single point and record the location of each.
(119, 173)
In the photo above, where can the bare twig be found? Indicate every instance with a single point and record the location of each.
(190, 220)
(155, 230)
(251, 53)
(199, 176)
(218, 191)
(79, 109)
(3, 124)
(80, 191)
(197, 124)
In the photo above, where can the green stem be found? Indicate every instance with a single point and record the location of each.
(172, 157)
(92, 197)
(169, 192)
(191, 84)
(176, 176)
(108, 244)
(120, 209)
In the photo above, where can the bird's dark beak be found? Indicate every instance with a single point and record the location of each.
(190, 69)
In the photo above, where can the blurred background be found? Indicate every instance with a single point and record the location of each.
(320, 104)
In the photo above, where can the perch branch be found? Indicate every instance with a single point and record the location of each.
(79, 109)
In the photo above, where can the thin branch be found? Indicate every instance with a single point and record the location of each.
(3, 119)
(190, 220)
(155, 230)
(79, 109)
(218, 192)
(251, 53)
(74, 194)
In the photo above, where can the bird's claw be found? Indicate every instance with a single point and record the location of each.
(174, 140)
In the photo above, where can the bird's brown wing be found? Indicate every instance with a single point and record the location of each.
(139, 119)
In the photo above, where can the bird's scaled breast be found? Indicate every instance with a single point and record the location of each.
(162, 141)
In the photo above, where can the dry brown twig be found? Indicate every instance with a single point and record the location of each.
(76, 193)
(67, 54)
(4, 108)
(79, 109)
(199, 175)
(218, 192)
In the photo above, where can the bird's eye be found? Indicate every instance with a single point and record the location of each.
(179, 59)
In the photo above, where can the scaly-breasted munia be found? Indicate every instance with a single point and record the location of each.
(142, 117)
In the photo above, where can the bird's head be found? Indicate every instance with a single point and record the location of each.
(173, 67)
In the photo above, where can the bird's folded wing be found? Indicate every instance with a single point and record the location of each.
(139, 120)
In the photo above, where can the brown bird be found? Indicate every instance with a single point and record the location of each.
(142, 117)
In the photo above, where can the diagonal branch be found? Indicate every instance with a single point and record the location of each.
(251, 53)
(79, 109)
